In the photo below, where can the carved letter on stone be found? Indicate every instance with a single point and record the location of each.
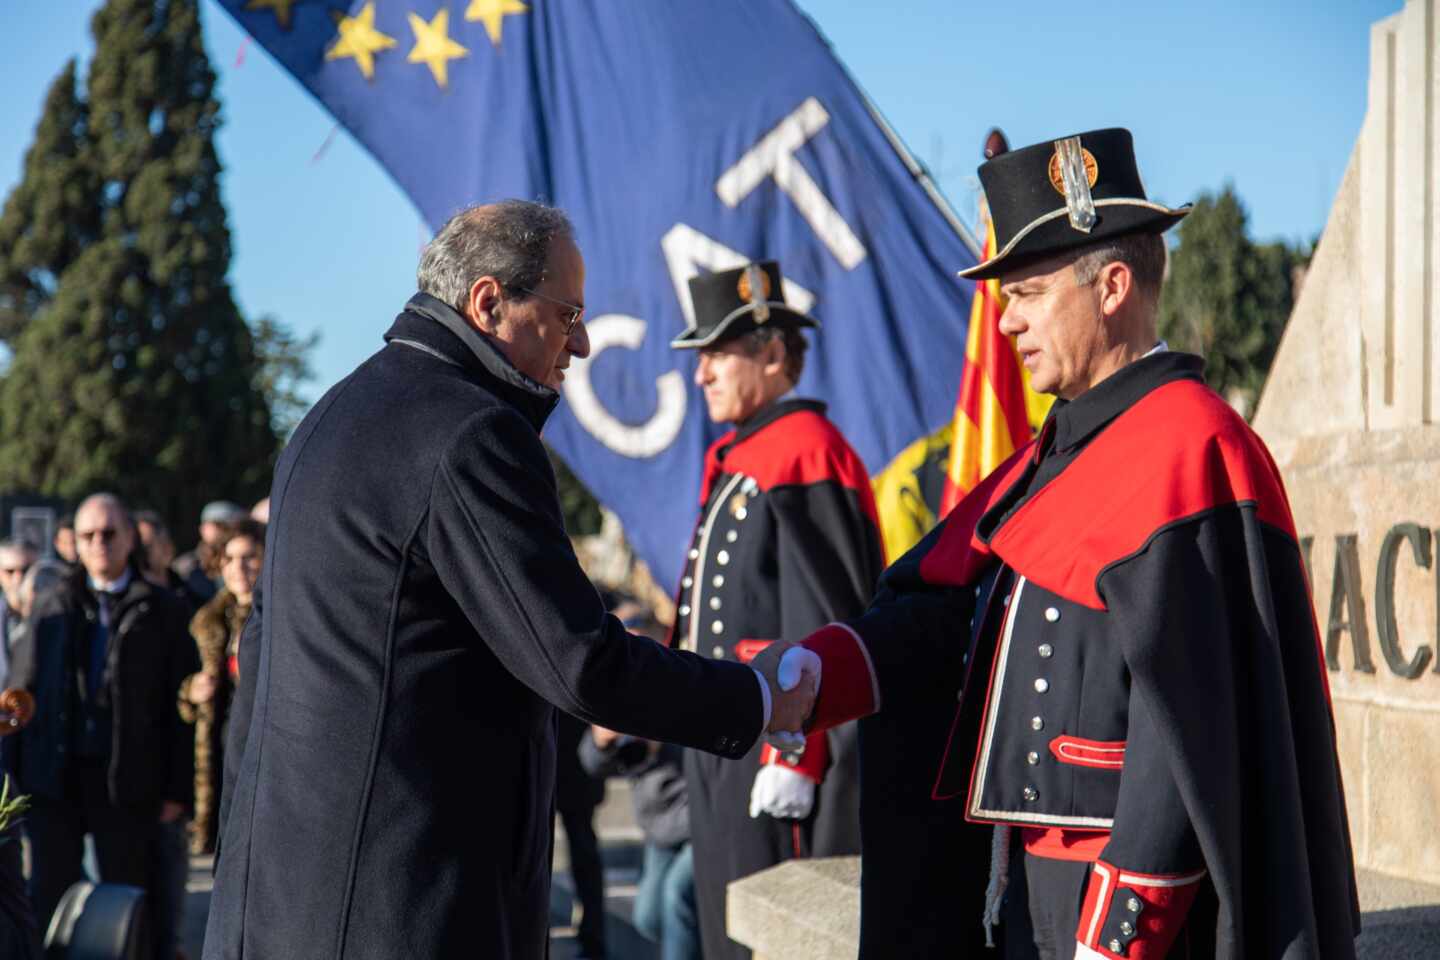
(1306, 544)
(1347, 608)
(1385, 622)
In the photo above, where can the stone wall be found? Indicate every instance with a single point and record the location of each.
(1352, 415)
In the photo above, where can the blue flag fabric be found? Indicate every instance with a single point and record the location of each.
(680, 137)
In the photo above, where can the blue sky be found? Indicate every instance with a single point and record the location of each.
(1269, 96)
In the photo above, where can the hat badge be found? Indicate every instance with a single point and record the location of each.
(754, 288)
(1073, 171)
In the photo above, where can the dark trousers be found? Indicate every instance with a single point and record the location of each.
(19, 933)
(170, 866)
(577, 794)
(123, 839)
(1056, 891)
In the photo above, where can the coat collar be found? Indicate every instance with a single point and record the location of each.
(436, 328)
(1076, 421)
(768, 415)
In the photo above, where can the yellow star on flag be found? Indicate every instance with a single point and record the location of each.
(492, 14)
(433, 46)
(360, 39)
(281, 8)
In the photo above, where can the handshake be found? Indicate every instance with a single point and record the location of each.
(793, 675)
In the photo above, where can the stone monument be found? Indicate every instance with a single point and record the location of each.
(1351, 412)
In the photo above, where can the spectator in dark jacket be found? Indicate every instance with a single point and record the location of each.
(107, 752)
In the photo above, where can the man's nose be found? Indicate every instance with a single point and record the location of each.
(579, 341)
(702, 371)
(1010, 321)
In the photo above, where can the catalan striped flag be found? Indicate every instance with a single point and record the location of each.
(996, 412)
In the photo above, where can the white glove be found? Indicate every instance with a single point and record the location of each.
(797, 662)
(782, 792)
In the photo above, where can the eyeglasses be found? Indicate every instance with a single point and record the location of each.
(104, 533)
(576, 313)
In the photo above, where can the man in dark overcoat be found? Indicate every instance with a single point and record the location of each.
(1144, 731)
(420, 616)
(786, 541)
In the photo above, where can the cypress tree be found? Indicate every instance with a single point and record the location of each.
(140, 375)
(52, 214)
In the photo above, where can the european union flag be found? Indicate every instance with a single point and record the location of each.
(680, 137)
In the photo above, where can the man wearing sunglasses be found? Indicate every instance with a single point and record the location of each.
(420, 617)
(106, 752)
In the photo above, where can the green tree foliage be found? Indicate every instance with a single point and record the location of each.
(140, 375)
(284, 366)
(52, 214)
(1228, 298)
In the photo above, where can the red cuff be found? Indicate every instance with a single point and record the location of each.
(848, 686)
(811, 763)
(1135, 915)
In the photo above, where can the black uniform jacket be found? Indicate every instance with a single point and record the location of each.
(421, 615)
(1140, 658)
(787, 540)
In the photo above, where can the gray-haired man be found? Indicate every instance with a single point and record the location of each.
(420, 616)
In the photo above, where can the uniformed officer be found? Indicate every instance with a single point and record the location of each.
(1144, 724)
(787, 539)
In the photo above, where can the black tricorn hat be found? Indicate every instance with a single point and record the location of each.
(731, 303)
(1065, 194)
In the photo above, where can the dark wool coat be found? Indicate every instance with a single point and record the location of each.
(787, 539)
(150, 652)
(421, 615)
(1143, 667)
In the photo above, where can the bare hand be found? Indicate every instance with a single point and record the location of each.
(789, 709)
(603, 737)
(170, 811)
(202, 688)
(20, 705)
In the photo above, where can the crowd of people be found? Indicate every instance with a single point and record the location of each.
(129, 654)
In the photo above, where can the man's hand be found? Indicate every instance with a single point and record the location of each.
(202, 688)
(170, 811)
(793, 674)
(603, 737)
(782, 792)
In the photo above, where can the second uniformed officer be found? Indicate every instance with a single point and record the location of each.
(787, 540)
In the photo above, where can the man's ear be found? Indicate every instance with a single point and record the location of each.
(1116, 284)
(775, 357)
(484, 299)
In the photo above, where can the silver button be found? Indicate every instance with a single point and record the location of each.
(694, 553)
(750, 485)
(1046, 651)
(960, 694)
(688, 582)
(717, 627)
(714, 603)
(1030, 793)
(1005, 602)
(1126, 927)
(1041, 684)
(718, 651)
(741, 514)
(684, 609)
(1037, 723)
(1032, 758)
(1115, 946)
(731, 536)
(1133, 904)
(718, 581)
(723, 557)
(1051, 614)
